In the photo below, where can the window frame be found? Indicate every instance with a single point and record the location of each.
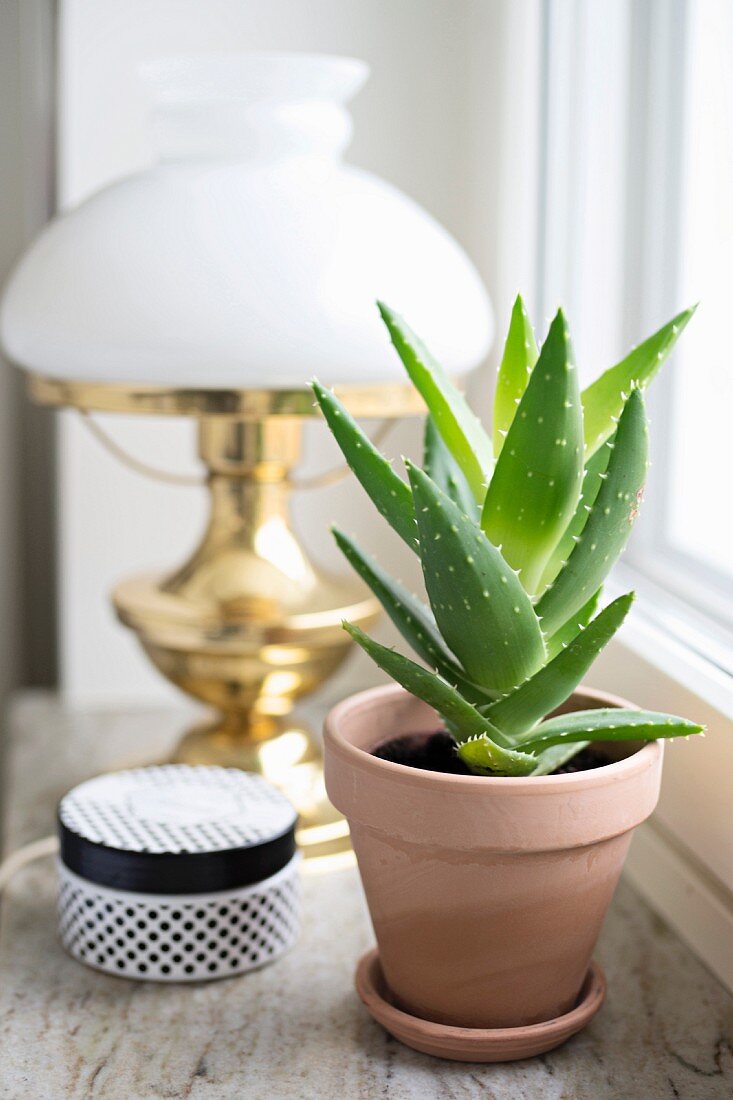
(660, 29)
(647, 44)
(675, 652)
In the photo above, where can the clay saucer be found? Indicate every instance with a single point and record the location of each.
(466, 1044)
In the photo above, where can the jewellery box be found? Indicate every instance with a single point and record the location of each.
(177, 873)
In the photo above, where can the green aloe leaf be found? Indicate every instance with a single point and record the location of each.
(464, 719)
(387, 490)
(557, 755)
(520, 355)
(606, 724)
(562, 637)
(461, 431)
(592, 480)
(413, 620)
(481, 609)
(440, 465)
(609, 522)
(479, 755)
(604, 398)
(536, 485)
(552, 685)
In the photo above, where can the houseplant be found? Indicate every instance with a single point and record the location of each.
(488, 874)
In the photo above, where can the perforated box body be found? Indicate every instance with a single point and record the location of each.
(177, 873)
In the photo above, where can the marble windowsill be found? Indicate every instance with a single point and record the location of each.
(296, 1029)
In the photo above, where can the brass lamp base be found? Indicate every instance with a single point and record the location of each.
(248, 624)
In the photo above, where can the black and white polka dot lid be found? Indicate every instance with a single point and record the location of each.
(176, 829)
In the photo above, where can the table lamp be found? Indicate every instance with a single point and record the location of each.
(213, 285)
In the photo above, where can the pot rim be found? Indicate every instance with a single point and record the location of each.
(377, 697)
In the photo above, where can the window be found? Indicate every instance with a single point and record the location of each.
(637, 212)
(698, 527)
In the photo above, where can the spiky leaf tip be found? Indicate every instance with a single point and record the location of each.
(459, 427)
(387, 490)
(520, 356)
(604, 398)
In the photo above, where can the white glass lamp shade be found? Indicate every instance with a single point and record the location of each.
(249, 255)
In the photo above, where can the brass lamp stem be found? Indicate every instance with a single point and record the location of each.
(248, 624)
(262, 450)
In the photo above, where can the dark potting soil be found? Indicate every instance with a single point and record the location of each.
(584, 761)
(435, 752)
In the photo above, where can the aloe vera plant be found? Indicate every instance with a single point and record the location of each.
(516, 533)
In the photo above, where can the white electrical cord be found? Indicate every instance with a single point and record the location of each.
(29, 853)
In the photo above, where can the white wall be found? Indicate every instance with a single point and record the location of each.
(451, 84)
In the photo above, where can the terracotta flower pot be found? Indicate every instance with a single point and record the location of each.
(486, 894)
